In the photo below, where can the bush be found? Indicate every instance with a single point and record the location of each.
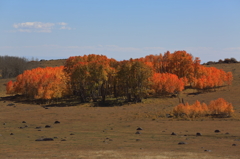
(220, 107)
(216, 108)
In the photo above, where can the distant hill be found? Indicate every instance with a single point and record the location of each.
(45, 63)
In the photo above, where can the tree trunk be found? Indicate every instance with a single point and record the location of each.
(103, 93)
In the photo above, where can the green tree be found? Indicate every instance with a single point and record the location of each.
(133, 79)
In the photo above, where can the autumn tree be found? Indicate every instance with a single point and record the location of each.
(184, 66)
(40, 83)
(133, 79)
(211, 77)
(166, 83)
(90, 75)
(9, 88)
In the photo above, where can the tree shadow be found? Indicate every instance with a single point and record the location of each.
(194, 93)
(63, 102)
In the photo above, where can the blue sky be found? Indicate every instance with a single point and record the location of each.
(120, 29)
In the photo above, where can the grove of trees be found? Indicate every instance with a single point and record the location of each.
(96, 77)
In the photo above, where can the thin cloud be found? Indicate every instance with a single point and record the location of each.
(39, 27)
(233, 49)
(65, 27)
(62, 23)
(34, 27)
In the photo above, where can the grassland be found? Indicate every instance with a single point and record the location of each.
(110, 132)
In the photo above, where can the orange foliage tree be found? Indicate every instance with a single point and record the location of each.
(9, 88)
(40, 83)
(179, 63)
(166, 83)
(211, 77)
(190, 70)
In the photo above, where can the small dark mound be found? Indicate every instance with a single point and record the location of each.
(207, 150)
(57, 122)
(138, 132)
(182, 143)
(38, 127)
(63, 140)
(23, 121)
(11, 134)
(45, 139)
(217, 131)
(48, 126)
(139, 128)
(234, 144)
(72, 134)
(11, 104)
(173, 133)
(198, 134)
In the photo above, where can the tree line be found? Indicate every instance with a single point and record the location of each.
(96, 77)
(11, 66)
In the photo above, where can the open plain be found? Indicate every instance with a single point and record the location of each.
(88, 131)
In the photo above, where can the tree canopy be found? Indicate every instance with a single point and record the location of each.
(93, 77)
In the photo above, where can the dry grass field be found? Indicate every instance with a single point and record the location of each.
(87, 132)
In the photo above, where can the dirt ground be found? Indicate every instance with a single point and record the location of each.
(111, 132)
(98, 132)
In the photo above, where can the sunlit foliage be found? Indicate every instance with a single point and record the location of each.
(219, 107)
(40, 83)
(93, 77)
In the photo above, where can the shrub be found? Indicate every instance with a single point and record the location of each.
(191, 111)
(220, 107)
(216, 108)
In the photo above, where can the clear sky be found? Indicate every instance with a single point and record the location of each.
(120, 29)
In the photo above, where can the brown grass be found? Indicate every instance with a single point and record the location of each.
(109, 132)
(46, 63)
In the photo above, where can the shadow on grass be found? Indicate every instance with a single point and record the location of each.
(110, 103)
(64, 102)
